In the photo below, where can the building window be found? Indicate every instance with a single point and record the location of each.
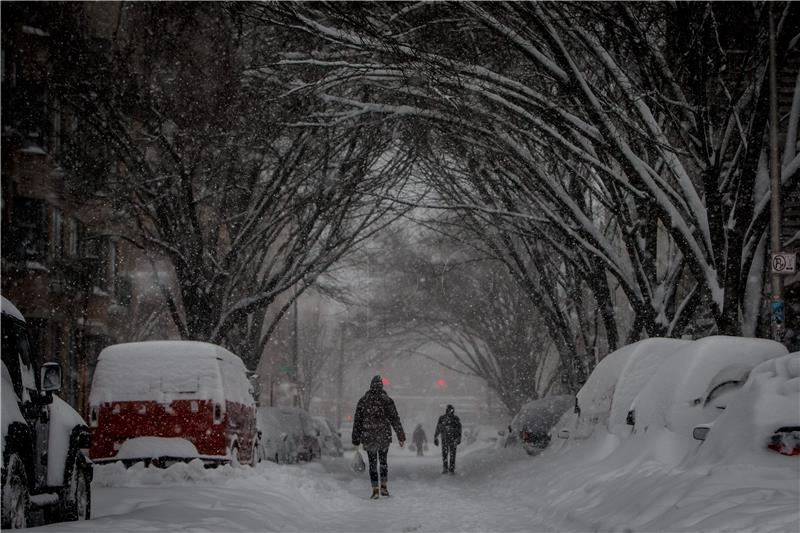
(72, 237)
(56, 233)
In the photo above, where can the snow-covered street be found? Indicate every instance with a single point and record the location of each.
(494, 490)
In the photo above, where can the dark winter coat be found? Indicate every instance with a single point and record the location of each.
(375, 417)
(419, 436)
(449, 427)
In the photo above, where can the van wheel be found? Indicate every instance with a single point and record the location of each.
(77, 501)
(16, 500)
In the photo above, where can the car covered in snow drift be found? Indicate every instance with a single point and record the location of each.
(298, 425)
(46, 476)
(277, 441)
(604, 400)
(167, 401)
(761, 419)
(695, 385)
(329, 437)
(532, 424)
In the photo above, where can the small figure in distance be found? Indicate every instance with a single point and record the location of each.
(420, 439)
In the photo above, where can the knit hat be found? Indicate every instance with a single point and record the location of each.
(376, 383)
(449, 409)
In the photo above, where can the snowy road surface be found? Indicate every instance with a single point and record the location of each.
(494, 490)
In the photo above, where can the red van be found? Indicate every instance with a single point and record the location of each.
(166, 401)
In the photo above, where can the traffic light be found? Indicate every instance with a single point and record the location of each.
(441, 384)
(384, 381)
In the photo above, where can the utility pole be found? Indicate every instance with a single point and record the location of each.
(775, 187)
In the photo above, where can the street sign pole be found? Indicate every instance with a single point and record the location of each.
(775, 187)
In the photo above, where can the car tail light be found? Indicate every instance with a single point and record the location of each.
(785, 440)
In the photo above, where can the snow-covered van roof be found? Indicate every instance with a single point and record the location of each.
(164, 371)
(10, 309)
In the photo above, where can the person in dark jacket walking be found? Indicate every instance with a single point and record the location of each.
(375, 417)
(420, 439)
(449, 427)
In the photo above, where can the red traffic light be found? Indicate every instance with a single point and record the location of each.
(442, 384)
(384, 381)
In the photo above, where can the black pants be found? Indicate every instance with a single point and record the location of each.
(449, 448)
(374, 457)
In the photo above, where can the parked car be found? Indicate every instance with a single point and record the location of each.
(46, 476)
(276, 443)
(532, 424)
(168, 401)
(299, 425)
(695, 384)
(761, 420)
(604, 400)
(346, 433)
(329, 437)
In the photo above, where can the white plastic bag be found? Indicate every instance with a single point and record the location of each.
(358, 464)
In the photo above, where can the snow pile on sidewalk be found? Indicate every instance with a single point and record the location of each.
(659, 479)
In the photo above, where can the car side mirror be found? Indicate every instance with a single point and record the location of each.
(50, 377)
(700, 432)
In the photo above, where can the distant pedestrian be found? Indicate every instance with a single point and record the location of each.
(449, 427)
(420, 439)
(375, 417)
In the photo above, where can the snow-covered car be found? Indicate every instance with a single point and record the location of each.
(762, 418)
(276, 442)
(346, 432)
(329, 437)
(300, 427)
(532, 424)
(46, 476)
(605, 398)
(167, 401)
(695, 384)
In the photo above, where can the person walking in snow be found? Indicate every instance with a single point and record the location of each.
(449, 427)
(419, 438)
(375, 417)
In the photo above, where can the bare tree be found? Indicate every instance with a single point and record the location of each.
(630, 139)
(206, 168)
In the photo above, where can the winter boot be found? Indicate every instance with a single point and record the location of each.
(384, 490)
(444, 469)
(375, 493)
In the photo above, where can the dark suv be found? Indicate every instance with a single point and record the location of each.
(46, 475)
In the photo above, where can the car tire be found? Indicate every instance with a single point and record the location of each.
(16, 500)
(77, 501)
